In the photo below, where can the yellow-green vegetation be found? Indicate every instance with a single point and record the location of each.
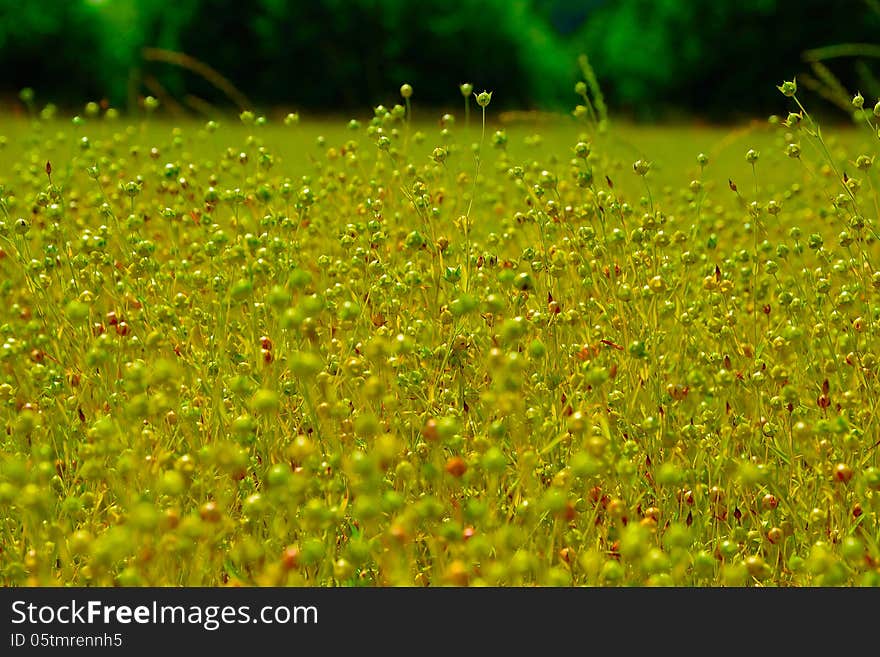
(394, 353)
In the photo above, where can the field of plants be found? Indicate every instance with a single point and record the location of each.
(469, 349)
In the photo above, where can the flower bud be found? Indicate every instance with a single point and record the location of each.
(788, 88)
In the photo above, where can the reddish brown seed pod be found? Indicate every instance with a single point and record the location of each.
(456, 466)
(290, 557)
(653, 513)
(398, 533)
(429, 431)
(614, 552)
(122, 329)
(146, 554)
(457, 573)
(210, 512)
(617, 507)
(677, 391)
(843, 473)
(171, 519)
(769, 502)
(650, 523)
(266, 342)
(775, 535)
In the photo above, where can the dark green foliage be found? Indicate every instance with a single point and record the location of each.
(320, 53)
(52, 43)
(715, 57)
(711, 57)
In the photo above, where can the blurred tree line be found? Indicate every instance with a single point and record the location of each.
(652, 57)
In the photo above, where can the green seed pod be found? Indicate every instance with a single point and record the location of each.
(612, 571)
(264, 401)
(524, 282)
(787, 88)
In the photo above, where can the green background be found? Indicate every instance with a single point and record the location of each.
(654, 58)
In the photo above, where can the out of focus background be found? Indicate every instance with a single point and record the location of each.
(655, 59)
